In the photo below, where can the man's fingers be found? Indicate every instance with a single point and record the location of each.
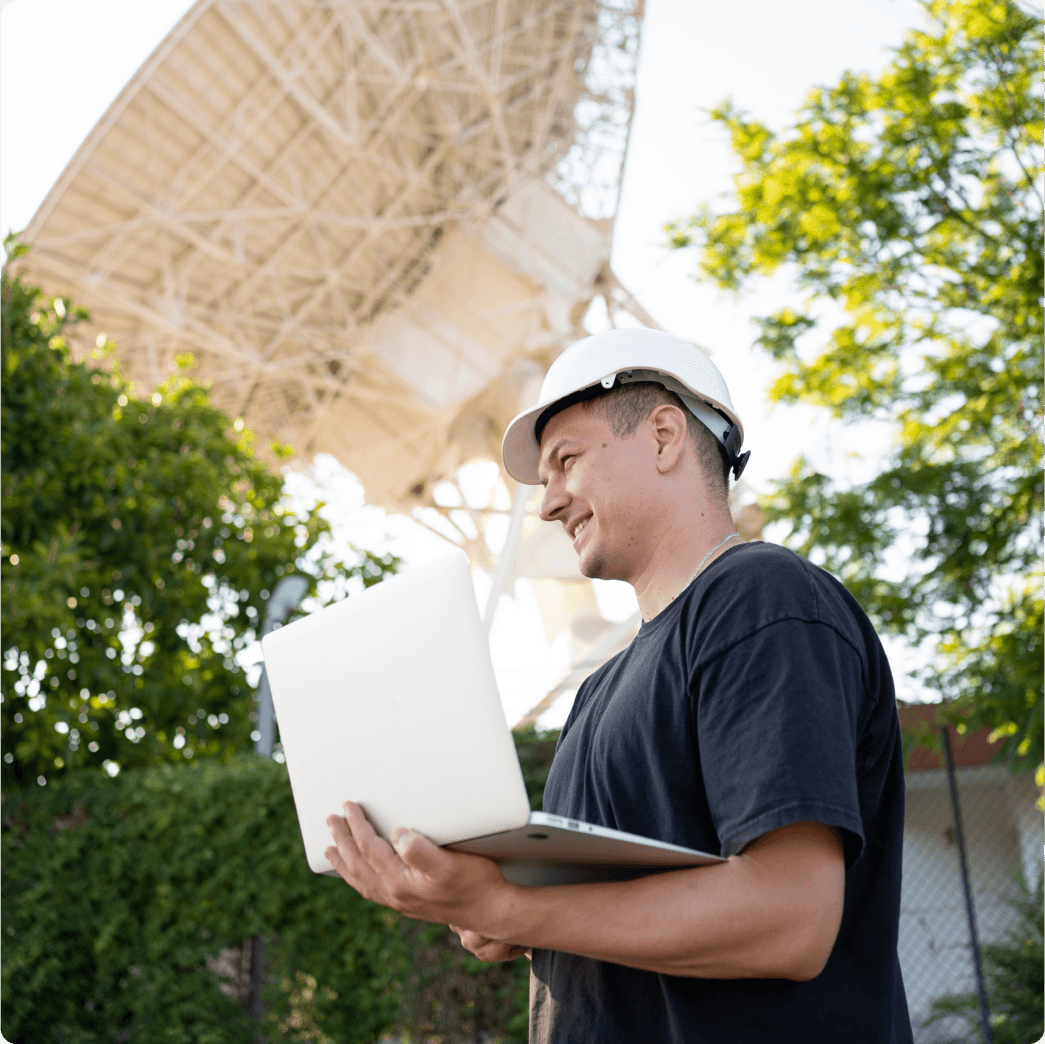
(487, 949)
(375, 850)
(342, 835)
(335, 860)
(351, 864)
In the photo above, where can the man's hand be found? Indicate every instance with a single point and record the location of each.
(490, 950)
(417, 877)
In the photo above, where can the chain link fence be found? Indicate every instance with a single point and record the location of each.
(949, 912)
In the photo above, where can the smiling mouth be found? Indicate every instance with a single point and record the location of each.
(579, 529)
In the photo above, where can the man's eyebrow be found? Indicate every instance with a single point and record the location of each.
(553, 450)
(557, 445)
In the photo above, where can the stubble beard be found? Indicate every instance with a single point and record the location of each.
(595, 566)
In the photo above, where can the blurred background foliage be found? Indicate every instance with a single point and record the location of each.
(909, 207)
(129, 903)
(141, 538)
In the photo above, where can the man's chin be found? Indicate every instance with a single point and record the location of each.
(594, 567)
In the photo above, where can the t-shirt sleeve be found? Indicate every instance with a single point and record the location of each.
(776, 718)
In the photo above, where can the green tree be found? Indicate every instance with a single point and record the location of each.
(140, 540)
(908, 207)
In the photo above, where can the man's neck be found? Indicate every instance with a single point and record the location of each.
(678, 557)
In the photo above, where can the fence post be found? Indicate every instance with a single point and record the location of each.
(285, 598)
(970, 911)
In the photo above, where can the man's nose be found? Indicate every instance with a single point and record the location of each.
(554, 500)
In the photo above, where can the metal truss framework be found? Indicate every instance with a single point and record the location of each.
(316, 200)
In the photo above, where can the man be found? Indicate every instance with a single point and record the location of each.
(753, 715)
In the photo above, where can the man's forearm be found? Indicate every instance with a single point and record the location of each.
(770, 913)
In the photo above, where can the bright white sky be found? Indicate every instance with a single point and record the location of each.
(62, 62)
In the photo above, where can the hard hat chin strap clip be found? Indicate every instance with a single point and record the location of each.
(727, 433)
(731, 442)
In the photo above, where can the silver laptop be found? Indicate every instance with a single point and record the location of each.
(388, 699)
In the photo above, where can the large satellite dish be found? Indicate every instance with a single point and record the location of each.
(374, 223)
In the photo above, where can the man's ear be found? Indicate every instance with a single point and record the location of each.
(670, 431)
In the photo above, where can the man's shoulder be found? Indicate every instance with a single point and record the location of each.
(761, 569)
(759, 584)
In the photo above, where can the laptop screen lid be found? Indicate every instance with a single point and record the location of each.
(388, 698)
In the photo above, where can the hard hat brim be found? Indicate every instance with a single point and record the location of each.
(520, 450)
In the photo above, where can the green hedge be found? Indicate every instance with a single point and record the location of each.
(118, 892)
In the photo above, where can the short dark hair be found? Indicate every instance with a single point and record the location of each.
(626, 406)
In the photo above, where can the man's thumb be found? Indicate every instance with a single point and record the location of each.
(417, 851)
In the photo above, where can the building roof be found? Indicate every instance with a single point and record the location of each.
(969, 750)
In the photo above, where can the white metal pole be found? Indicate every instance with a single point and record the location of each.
(506, 561)
(285, 598)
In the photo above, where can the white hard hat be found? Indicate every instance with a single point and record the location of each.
(626, 356)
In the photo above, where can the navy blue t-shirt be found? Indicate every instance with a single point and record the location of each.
(760, 697)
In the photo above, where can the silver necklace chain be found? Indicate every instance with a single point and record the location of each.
(707, 556)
